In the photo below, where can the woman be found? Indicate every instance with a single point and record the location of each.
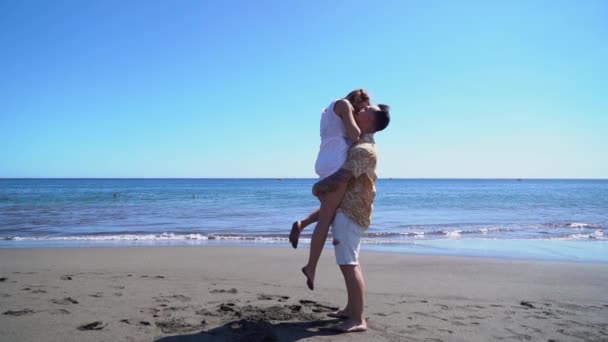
(338, 132)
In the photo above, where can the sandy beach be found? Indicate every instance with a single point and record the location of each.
(258, 294)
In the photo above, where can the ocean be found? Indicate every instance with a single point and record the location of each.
(534, 219)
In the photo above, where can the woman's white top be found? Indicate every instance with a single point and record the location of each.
(334, 143)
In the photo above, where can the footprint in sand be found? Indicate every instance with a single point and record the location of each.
(152, 311)
(97, 295)
(167, 299)
(155, 277)
(318, 307)
(172, 309)
(97, 325)
(179, 325)
(270, 313)
(66, 277)
(33, 291)
(205, 312)
(65, 301)
(459, 324)
(140, 323)
(60, 312)
(19, 312)
(527, 304)
(271, 297)
(232, 291)
(3, 279)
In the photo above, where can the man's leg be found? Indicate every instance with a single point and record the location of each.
(348, 235)
(346, 312)
(355, 287)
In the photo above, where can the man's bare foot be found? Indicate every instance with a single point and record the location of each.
(294, 235)
(350, 325)
(310, 278)
(344, 313)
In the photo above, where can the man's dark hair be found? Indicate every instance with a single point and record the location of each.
(383, 117)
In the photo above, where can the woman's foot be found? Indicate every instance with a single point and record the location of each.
(310, 278)
(350, 325)
(294, 235)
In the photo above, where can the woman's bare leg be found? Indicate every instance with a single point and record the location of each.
(329, 204)
(298, 226)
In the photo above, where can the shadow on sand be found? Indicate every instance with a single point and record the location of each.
(259, 331)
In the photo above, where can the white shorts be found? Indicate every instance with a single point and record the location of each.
(348, 235)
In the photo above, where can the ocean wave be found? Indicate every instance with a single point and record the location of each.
(148, 237)
(373, 237)
(596, 235)
(573, 225)
(579, 225)
(453, 233)
(201, 236)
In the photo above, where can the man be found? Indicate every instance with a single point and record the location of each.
(354, 215)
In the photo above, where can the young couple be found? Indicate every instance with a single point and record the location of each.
(346, 165)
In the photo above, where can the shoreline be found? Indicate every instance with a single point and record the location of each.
(188, 293)
(550, 250)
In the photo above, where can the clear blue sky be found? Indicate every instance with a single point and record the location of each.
(235, 88)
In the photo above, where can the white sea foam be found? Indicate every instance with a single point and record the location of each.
(578, 225)
(453, 233)
(149, 237)
(596, 235)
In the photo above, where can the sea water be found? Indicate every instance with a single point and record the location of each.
(539, 219)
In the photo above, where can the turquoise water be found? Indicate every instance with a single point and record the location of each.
(546, 219)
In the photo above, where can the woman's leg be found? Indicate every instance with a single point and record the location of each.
(329, 204)
(298, 226)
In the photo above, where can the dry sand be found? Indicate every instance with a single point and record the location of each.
(258, 294)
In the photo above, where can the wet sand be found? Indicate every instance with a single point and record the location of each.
(259, 294)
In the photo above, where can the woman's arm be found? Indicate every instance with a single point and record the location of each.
(345, 111)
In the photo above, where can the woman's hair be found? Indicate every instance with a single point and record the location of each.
(357, 96)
